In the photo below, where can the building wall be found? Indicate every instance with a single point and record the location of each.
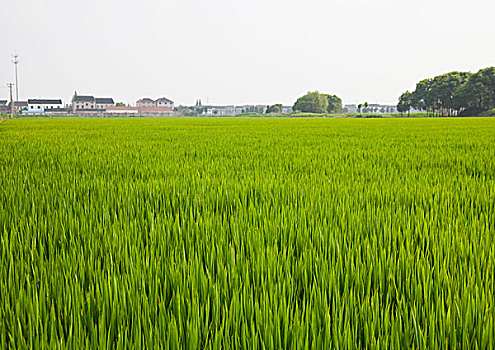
(145, 104)
(84, 105)
(164, 104)
(103, 106)
(41, 107)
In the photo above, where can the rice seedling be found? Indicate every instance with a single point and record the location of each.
(247, 233)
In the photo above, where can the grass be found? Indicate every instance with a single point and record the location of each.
(247, 233)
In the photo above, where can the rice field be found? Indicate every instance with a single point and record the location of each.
(247, 233)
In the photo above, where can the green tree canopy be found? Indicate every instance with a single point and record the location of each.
(278, 108)
(334, 104)
(312, 102)
(405, 102)
(454, 93)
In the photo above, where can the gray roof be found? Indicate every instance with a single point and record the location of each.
(20, 104)
(104, 100)
(44, 102)
(84, 99)
(3, 102)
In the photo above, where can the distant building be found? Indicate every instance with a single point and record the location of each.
(103, 103)
(118, 110)
(19, 106)
(161, 102)
(233, 110)
(164, 102)
(43, 105)
(287, 109)
(90, 104)
(80, 103)
(145, 102)
(3, 106)
(351, 109)
(372, 108)
(155, 111)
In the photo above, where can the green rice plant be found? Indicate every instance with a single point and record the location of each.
(247, 233)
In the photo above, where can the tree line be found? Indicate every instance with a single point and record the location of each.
(452, 94)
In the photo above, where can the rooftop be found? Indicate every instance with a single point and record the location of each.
(44, 102)
(78, 98)
(104, 100)
(20, 104)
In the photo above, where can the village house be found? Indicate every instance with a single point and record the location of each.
(3, 106)
(80, 103)
(19, 106)
(145, 102)
(161, 102)
(103, 103)
(164, 102)
(43, 105)
(90, 104)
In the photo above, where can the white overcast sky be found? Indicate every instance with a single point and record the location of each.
(240, 51)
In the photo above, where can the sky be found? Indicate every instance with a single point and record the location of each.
(239, 51)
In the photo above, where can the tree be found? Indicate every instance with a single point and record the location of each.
(120, 104)
(405, 103)
(366, 105)
(312, 102)
(334, 104)
(477, 94)
(359, 107)
(454, 93)
(278, 108)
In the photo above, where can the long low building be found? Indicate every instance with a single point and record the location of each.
(155, 111)
(139, 111)
(43, 105)
(122, 110)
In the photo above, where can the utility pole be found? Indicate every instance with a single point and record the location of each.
(10, 85)
(15, 60)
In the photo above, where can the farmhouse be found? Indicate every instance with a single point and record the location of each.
(19, 106)
(41, 106)
(90, 104)
(3, 106)
(80, 103)
(103, 103)
(164, 102)
(161, 102)
(145, 102)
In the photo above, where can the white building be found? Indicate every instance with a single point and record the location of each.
(164, 102)
(42, 106)
(161, 102)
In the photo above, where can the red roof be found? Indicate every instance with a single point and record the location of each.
(146, 100)
(121, 108)
(163, 99)
(155, 109)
